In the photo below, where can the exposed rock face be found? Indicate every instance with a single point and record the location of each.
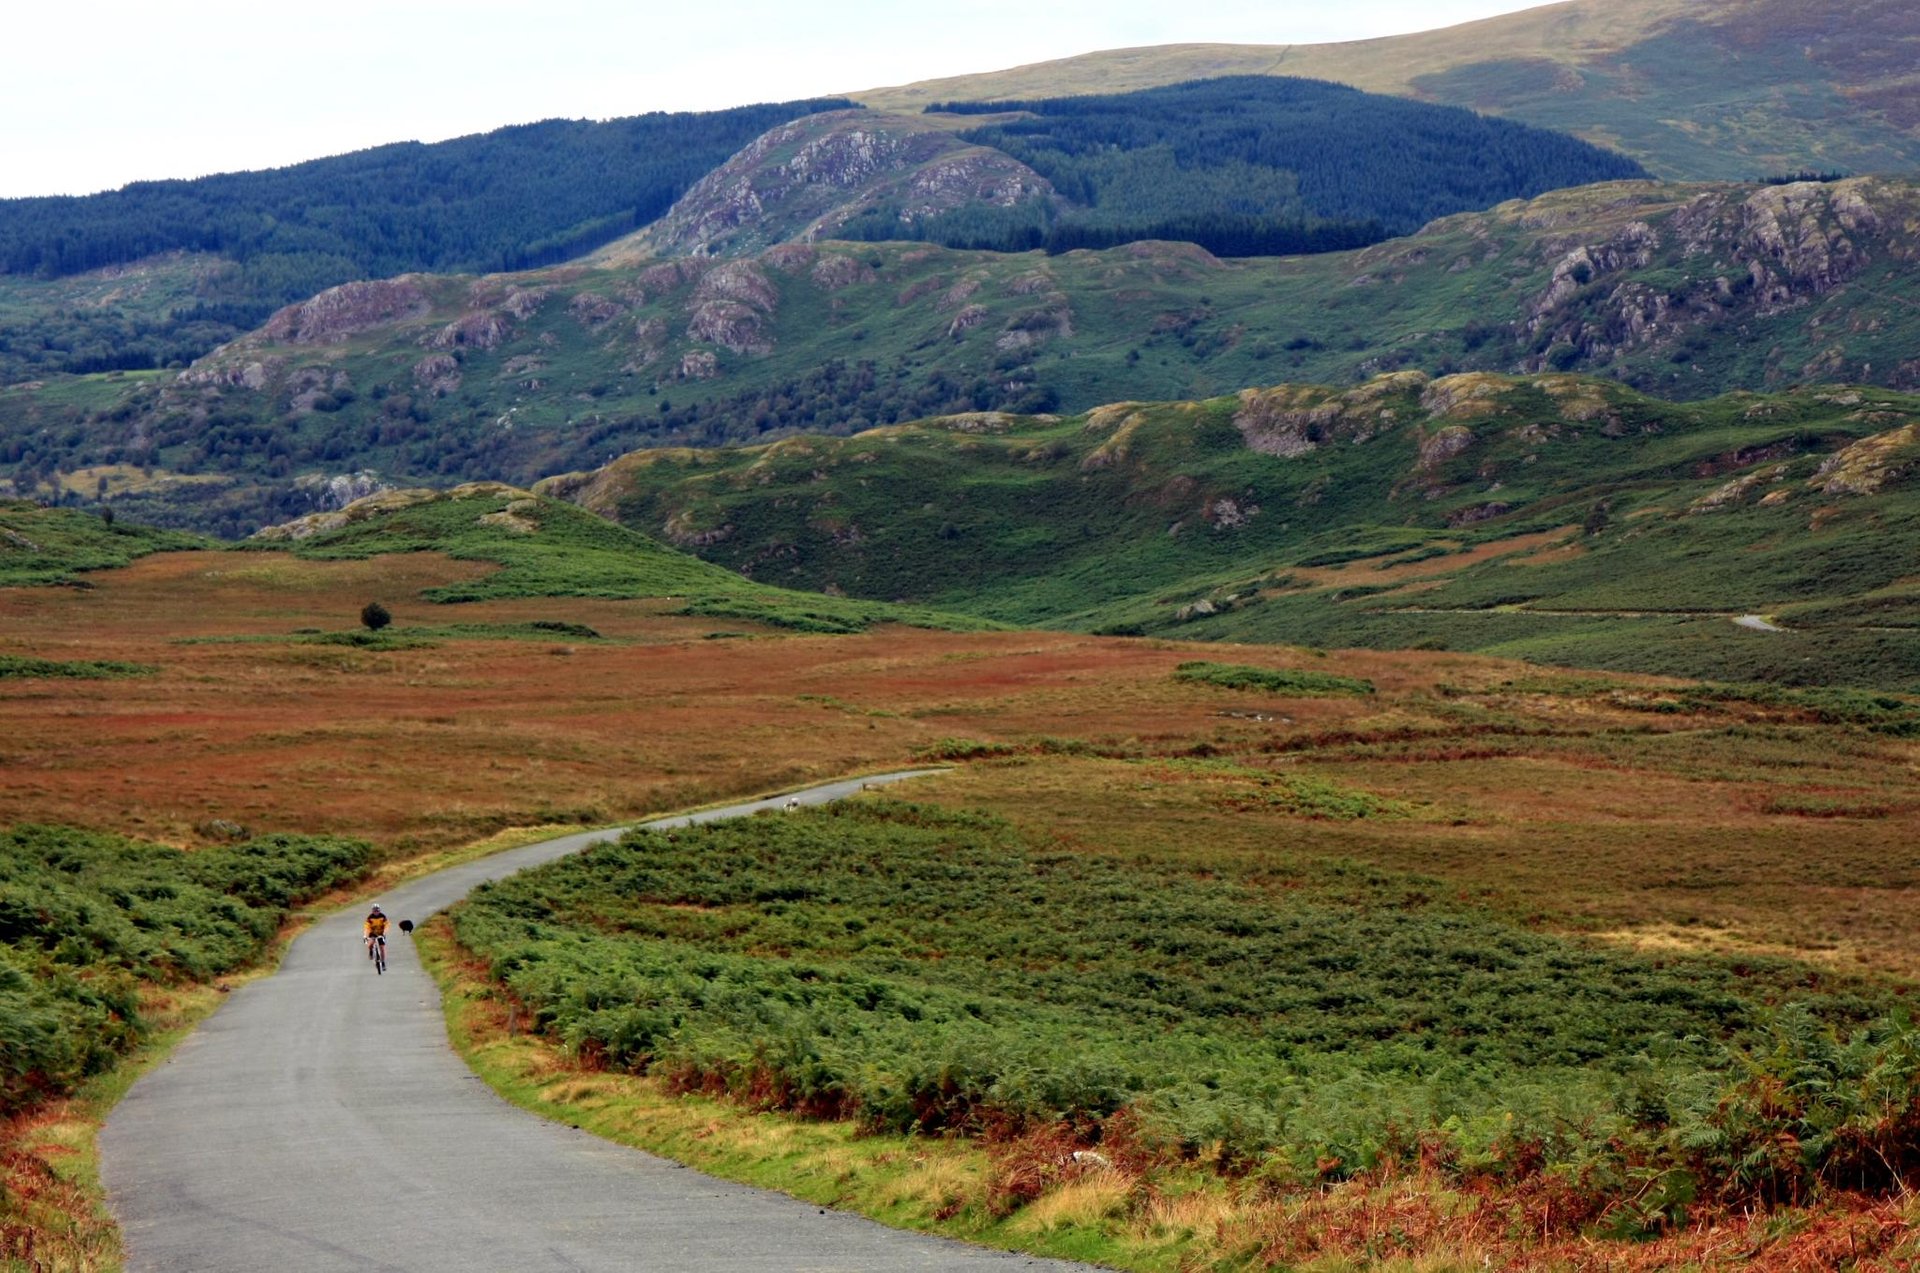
(1739, 491)
(967, 319)
(338, 491)
(438, 374)
(1436, 450)
(1764, 251)
(1479, 513)
(340, 311)
(730, 308)
(730, 325)
(1229, 514)
(387, 501)
(591, 309)
(834, 272)
(682, 531)
(1286, 422)
(477, 329)
(524, 303)
(1871, 463)
(1465, 395)
(805, 180)
(254, 375)
(1292, 420)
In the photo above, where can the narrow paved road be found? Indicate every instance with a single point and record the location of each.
(320, 1121)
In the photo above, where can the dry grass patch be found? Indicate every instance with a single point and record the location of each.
(1089, 1202)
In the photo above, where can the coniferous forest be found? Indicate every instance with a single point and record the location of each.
(1250, 166)
(515, 198)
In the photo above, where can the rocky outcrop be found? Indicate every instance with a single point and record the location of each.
(1871, 464)
(804, 181)
(1292, 420)
(967, 319)
(252, 375)
(833, 272)
(1287, 422)
(1437, 449)
(1724, 252)
(731, 306)
(438, 374)
(593, 310)
(390, 501)
(1464, 396)
(335, 492)
(340, 311)
(477, 329)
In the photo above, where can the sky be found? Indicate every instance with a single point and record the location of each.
(97, 93)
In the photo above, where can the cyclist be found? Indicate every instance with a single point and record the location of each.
(376, 930)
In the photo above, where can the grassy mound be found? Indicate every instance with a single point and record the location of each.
(549, 549)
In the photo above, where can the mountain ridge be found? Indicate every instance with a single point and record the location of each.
(1695, 89)
(1684, 291)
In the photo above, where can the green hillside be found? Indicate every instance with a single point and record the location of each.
(1684, 291)
(40, 545)
(550, 549)
(1693, 89)
(1245, 166)
(1556, 518)
(512, 198)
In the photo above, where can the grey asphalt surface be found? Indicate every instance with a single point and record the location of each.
(321, 1121)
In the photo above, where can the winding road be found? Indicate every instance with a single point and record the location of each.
(321, 1121)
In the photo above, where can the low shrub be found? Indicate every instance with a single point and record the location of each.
(86, 917)
(1290, 682)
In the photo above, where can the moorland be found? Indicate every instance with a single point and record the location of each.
(1656, 900)
(1418, 652)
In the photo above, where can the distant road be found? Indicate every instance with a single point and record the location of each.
(320, 1121)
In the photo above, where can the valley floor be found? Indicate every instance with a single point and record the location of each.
(1753, 846)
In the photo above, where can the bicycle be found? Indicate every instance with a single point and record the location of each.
(377, 952)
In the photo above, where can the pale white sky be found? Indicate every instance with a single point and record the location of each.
(97, 93)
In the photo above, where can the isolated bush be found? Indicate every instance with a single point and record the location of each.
(374, 616)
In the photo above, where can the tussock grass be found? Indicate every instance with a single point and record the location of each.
(1282, 682)
(20, 667)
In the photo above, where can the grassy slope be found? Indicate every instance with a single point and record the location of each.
(1652, 284)
(49, 545)
(549, 549)
(1460, 513)
(1728, 89)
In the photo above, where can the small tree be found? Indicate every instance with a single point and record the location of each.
(374, 616)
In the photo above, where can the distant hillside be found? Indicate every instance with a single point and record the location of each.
(545, 548)
(1682, 291)
(1693, 89)
(806, 179)
(510, 199)
(1558, 518)
(1279, 152)
(1254, 166)
(40, 545)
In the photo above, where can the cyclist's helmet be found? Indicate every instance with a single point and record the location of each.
(376, 910)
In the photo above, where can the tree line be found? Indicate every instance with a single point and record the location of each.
(512, 199)
(1249, 166)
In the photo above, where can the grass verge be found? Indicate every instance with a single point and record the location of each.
(53, 1206)
(938, 1185)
